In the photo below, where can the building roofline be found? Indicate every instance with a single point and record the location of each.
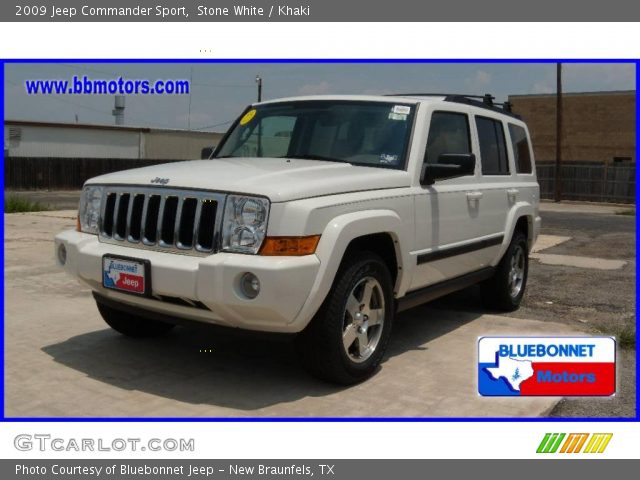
(576, 94)
(94, 126)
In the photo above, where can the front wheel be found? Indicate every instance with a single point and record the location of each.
(346, 340)
(504, 291)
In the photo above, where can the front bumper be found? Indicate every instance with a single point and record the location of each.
(286, 283)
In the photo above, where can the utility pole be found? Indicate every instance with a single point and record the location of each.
(558, 190)
(259, 82)
(190, 88)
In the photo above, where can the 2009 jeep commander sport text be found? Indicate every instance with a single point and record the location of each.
(321, 216)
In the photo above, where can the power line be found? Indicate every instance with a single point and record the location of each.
(213, 126)
(215, 85)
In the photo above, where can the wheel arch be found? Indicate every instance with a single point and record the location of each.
(520, 218)
(524, 224)
(383, 244)
(382, 232)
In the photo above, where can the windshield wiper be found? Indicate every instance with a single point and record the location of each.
(310, 156)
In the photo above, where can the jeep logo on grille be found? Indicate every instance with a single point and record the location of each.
(161, 181)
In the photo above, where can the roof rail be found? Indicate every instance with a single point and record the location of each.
(483, 101)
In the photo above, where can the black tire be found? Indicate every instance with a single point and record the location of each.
(321, 345)
(132, 325)
(498, 292)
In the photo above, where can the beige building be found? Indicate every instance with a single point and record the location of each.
(598, 127)
(71, 140)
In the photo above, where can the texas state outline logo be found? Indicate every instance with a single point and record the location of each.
(546, 366)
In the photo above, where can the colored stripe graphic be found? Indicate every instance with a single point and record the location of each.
(543, 443)
(598, 442)
(550, 442)
(574, 442)
(581, 442)
(606, 442)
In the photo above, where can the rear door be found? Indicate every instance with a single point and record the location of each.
(448, 214)
(495, 183)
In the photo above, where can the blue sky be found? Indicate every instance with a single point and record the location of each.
(220, 91)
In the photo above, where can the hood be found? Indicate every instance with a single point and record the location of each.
(279, 179)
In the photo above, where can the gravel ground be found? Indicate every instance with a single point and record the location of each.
(604, 301)
(51, 200)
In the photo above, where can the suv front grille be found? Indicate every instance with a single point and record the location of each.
(162, 219)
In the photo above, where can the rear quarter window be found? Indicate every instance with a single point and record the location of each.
(521, 150)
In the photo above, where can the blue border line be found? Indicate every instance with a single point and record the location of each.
(637, 242)
(315, 419)
(3, 418)
(2, 67)
(319, 60)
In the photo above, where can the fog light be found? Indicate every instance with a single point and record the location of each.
(62, 254)
(250, 285)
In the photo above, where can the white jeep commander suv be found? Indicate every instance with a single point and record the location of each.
(321, 216)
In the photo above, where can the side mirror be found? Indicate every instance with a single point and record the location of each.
(206, 152)
(450, 165)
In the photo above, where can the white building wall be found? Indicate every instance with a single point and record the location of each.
(42, 141)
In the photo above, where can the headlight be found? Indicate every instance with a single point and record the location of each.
(89, 212)
(244, 223)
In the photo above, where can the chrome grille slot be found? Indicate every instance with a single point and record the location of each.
(135, 220)
(206, 223)
(120, 219)
(151, 220)
(107, 216)
(162, 219)
(168, 225)
(187, 224)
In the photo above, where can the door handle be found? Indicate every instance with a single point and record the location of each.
(512, 191)
(474, 195)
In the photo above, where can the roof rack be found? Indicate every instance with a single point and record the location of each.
(482, 101)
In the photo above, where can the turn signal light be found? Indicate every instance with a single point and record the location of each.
(294, 246)
(78, 228)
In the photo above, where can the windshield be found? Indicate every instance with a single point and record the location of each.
(360, 133)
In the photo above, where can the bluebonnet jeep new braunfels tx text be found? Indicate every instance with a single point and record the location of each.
(320, 216)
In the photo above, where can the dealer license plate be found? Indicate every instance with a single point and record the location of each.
(126, 274)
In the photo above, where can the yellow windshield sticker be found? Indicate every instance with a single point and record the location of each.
(247, 117)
